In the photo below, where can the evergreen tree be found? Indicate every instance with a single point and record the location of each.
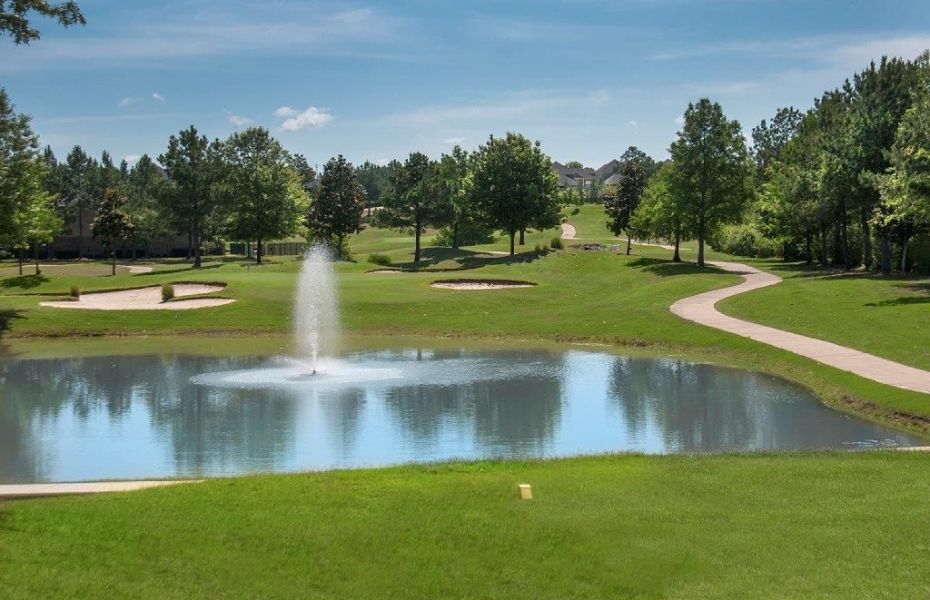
(635, 170)
(336, 211)
(415, 200)
(112, 224)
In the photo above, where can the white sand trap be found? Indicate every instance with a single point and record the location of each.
(139, 269)
(480, 284)
(148, 298)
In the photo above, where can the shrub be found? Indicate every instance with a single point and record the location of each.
(556, 243)
(167, 292)
(380, 259)
(576, 210)
(746, 240)
(75, 292)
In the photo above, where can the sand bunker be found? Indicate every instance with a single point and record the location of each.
(148, 298)
(481, 284)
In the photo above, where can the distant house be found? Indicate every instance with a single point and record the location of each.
(613, 179)
(607, 170)
(572, 177)
(76, 235)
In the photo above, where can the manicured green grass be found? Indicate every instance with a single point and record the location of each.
(847, 525)
(889, 317)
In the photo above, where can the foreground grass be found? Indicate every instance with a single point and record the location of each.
(760, 526)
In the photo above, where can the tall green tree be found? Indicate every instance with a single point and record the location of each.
(77, 196)
(145, 188)
(262, 191)
(191, 165)
(660, 215)
(415, 200)
(336, 210)
(16, 15)
(376, 179)
(455, 187)
(770, 138)
(635, 169)
(713, 173)
(514, 186)
(26, 210)
(112, 224)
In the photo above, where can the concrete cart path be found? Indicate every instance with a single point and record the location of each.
(700, 309)
(38, 490)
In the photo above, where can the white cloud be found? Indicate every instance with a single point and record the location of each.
(312, 118)
(132, 159)
(453, 141)
(158, 97)
(285, 112)
(129, 101)
(238, 120)
(633, 122)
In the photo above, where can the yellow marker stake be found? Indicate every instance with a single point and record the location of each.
(526, 491)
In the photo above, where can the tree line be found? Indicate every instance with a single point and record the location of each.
(845, 183)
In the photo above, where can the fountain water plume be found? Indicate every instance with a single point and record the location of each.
(316, 314)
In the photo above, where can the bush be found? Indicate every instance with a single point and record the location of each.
(542, 249)
(167, 292)
(380, 259)
(556, 243)
(746, 240)
(75, 292)
(576, 210)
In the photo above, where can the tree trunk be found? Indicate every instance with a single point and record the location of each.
(113, 263)
(700, 258)
(809, 249)
(904, 244)
(80, 230)
(190, 243)
(847, 258)
(513, 234)
(196, 241)
(885, 249)
(35, 252)
(522, 232)
(784, 251)
(824, 259)
(248, 248)
(866, 239)
(455, 234)
(416, 250)
(20, 261)
(629, 244)
(676, 257)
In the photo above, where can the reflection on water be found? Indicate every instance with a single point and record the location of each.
(157, 416)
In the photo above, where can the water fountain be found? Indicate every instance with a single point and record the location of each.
(316, 314)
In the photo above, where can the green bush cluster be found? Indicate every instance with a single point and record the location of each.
(380, 259)
(556, 243)
(746, 240)
(167, 292)
(75, 292)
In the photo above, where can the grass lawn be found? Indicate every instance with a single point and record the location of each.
(849, 525)
(889, 317)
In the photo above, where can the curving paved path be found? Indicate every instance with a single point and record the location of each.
(700, 309)
(568, 231)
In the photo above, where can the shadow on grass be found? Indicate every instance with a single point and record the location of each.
(457, 259)
(7, 316)
(667, 268)
(24, 282)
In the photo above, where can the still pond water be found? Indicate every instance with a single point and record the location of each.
(162, 416)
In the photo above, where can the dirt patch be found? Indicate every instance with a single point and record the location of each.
(147, 298)
(481, 284)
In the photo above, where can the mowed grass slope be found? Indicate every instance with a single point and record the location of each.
(849, 525)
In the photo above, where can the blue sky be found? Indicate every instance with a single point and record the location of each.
(375, 80)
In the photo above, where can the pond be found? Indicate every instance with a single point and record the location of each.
(121, 417)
